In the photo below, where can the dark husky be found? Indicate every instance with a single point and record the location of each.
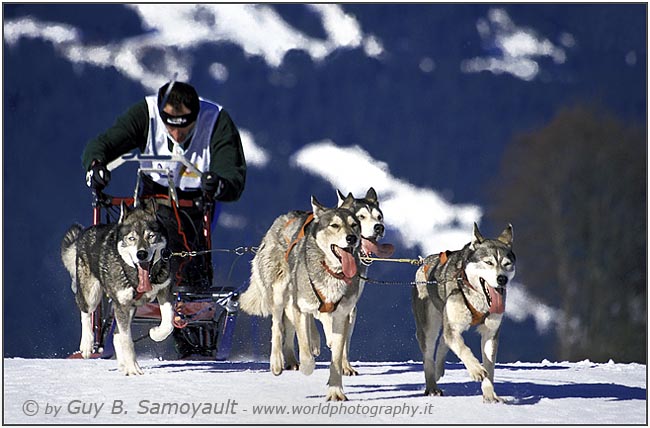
(466, 288)
(123, 260)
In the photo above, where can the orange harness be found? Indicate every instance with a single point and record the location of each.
(461, 278)
(324, 306)
(300, 235)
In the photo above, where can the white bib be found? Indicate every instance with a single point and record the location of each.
(198, 151)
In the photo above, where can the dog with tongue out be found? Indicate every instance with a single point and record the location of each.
(307, 264)
(125, 261)
(457, 290)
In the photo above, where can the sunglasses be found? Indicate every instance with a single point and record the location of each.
(178, 121)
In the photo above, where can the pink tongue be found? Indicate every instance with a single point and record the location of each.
(382, 250)
(348, 263)
(144, 283)
(498, 305)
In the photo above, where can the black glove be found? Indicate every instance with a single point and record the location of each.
(98, 176)
(211, 184)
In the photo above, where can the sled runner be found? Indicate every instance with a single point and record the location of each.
(204, 313)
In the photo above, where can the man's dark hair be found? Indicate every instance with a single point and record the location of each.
(181, 94)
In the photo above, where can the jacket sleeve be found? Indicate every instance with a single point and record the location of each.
(127, 133)
(227, 157)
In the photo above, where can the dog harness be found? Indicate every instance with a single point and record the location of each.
(324, 306)
(461, 279)
(301, 233)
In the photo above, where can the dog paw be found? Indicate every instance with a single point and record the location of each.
(433, 392)
(86, 348)
(492, 399)
(160, 332)
(131, 369)
(489, 396)
(335, 393)
(307, 366)
(477, 372)
(348, 370)
(276, 366)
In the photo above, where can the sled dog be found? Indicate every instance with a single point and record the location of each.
(371, 218)
(465, 288)
(122, 260)
(313, 270)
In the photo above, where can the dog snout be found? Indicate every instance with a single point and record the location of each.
(142, 255)
(379, 229)
(351, 239)
(502, 280)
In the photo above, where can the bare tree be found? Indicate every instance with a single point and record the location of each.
(576, 192)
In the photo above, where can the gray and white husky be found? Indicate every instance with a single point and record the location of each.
(465, 288)
(371, 218)
(307, 264)
(124, 261)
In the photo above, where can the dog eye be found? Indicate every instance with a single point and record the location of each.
(361, 217)
(335, 226)
(488, 262)
(130, 238)
(380, 218)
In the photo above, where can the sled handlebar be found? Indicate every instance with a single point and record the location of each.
(140, 158)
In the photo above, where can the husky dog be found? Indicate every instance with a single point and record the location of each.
(465, 288)
(311, 271)
(371, 218)
(124, 261)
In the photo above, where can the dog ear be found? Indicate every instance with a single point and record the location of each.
(506, 236)
(124, 210)
(150, 206)
(371, 196)
(478, 238)
(340, 197)
(347, 202)
(317, 207)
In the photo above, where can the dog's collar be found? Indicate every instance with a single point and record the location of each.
(337, 275)
(462, 279)
(323, 305)
(477, 317)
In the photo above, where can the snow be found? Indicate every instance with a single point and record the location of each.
(517, 48)
(168, 24)
(243, 392)
(415, 213)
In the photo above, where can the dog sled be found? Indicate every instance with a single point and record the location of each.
(204, 313)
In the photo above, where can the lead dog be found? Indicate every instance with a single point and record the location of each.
(311, 271)
(465, 288)
(371, 218)
(124, 261)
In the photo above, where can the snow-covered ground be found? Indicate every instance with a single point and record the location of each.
(51, 391)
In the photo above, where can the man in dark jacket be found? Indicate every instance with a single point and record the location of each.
(177, 121)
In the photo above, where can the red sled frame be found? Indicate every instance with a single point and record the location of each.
(211, 312)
